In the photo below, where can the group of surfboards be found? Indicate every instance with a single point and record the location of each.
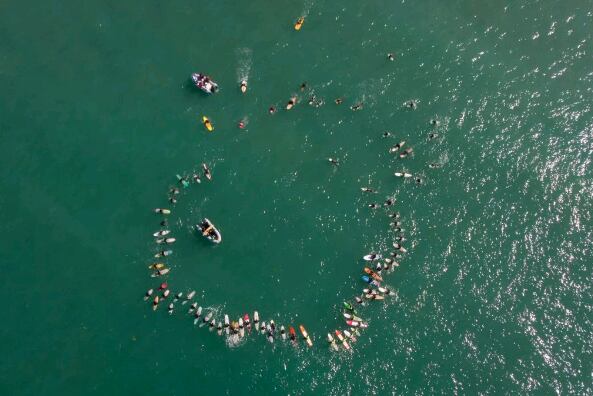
(235, 328)
(374, 290)
(376, 266)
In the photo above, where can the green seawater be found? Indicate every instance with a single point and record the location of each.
(98, 115)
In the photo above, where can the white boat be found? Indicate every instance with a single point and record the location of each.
(204, 82)
(208, 230)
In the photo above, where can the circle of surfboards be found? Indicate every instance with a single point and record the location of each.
(238, 329)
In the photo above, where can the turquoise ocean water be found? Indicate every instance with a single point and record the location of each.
(97, 116)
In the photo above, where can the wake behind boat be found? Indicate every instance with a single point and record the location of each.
(209, 231)
(204, 83)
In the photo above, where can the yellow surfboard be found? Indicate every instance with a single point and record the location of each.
(299, 23)
(207, 124)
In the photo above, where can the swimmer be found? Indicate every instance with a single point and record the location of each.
(374, 206)
(226, 323)
(283, 333)
(174, 191)
(399, 247)
(303, 86)
(247, 322)
(432, 136)
(219, 329)
(386, 266)
(163, 286)
(196, 178)
(241, 125)
(395, 224)
(161, 272)
(192, 308)
(173, 200)
(411, 104)
(272, 110)
(369, 291)
(291, 103)
(386, 291)
(406, 152)
(358, 300)
(395, 255)
(338, 101)
(155, 303)
(148, 294)
(190, 295)
(312, 100)
(434, 166)
(333, 161)
(182, 181)
(400, 238)
(367, 189)
(386, 134)
(162, 211)
(177, 297)
(391, 57)
(171, 307)
(197, 314)
(357, 106)
(418, 181)
(349, 336)
(394, 215)
(270, 336)
(402, 174)
(434, 122)
(396, 147)
(389, 202)
(243, 86)
(256, 320)
(164, 253)
(163, 223)
(166, 293)
(207, 172)
(378, 268)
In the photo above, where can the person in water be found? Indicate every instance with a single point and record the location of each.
(411, 104)
(272, 110)
(333, 161)
(357, 106)
(386, 134)
(391, 57)
(303, 86)
(291, 103)
(338, 101)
